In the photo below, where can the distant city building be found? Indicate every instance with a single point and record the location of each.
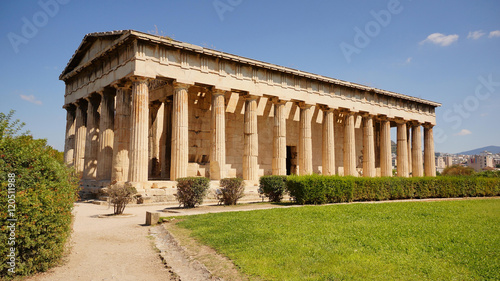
(479, 162)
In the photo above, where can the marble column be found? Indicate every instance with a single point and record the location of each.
(92, 141)
(385, 148)
(279, 138)
(180, 137)
(402, 150)
(416, 139)
(251, 140)
(139, 119)
(80, 135)
(69, 144)
(154, 138)
(106, 135)
(121, 142)
(429, 158)
(349, 145)
(218, 132)
(305, 140)
(328, 141)
(368, 147)
(166, 140)
(408, 141)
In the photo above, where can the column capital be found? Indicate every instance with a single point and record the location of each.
(276, 100)
(122, 84)
(382, 117)
(400, 121)
(326, 108)
(140, 79)
(414, 123)
(428, 125)
(247, 96)
(179, 86)
(365, 114)
(69, 106)
(218, 92)
(303, 105)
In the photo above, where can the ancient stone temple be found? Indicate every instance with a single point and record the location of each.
(146, 110)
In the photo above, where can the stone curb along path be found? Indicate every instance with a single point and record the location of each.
(176, 259)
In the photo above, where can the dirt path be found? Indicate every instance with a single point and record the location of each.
(109, 248)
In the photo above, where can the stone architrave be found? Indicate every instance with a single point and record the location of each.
(180, 139)
(429, 158)
(251, 139)
(416, 138)
(138, 165)
(368, 147)
(349, 145)
(106, 135)
(92, 141)
(69, 146)
(385, 148)
(402, 150)
(121, 142)
(305, 140)
(218, 136)
(328, 159)
(279, 138)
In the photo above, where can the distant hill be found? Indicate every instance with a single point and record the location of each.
(492, 148)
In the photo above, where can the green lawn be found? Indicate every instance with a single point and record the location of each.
(445, 240)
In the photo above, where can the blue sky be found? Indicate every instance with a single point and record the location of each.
(444, 51)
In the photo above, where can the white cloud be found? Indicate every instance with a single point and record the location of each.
(440, 39)
(408, 60)
(463, 132)
(495, 33)
(31, 98)
(475, 34)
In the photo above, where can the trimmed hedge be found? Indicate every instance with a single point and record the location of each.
(316, 189)
(273, 187)
(191, 191)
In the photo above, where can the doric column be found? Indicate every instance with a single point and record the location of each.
(402, 150)
(121, 145)
(106, 135)
(385, 148)
(69, 144)
(328, 141)
(279, 138)
(305, 140)
(166, 140)
(251, 140)
(92, 141)
(349, 145)
(138, 165)
(408, 141)
(429, 159)
(154, 138)
(180, 137)
(80, 135)
(416, 137)
(218, 132)
(368, 147)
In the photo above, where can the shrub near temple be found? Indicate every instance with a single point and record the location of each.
(273, 187)
(232, 190)
(191, 191)
(43, 193)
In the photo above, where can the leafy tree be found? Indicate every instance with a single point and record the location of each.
(457, 170)
(37, 191)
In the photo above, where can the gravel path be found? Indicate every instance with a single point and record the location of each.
(110, 248)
